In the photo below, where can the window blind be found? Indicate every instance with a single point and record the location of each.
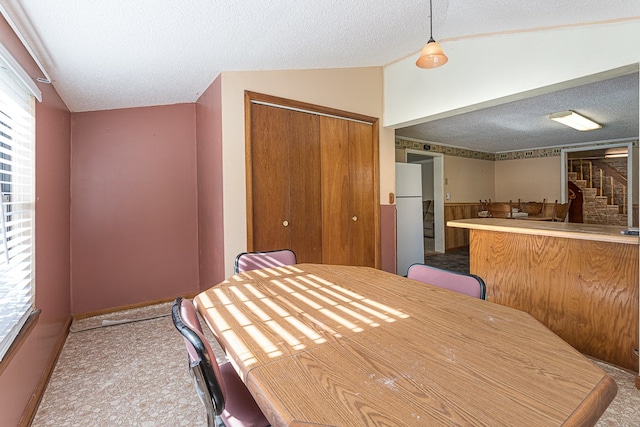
(17, 204)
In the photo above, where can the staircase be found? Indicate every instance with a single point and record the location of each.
(599, 209)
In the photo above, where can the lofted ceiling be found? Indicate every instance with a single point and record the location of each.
(108, 54)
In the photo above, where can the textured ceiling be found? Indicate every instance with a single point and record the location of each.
(525, 124)
(107, 54)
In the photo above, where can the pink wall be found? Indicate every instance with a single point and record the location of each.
(210, 211)
(388, 252)
(134, 235)
(53, 134)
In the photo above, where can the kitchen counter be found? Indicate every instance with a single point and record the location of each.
(579, 280)
(595, 232)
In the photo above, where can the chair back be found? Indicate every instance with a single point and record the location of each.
(500, 210)
(560, 211)
(202, 361)
(226, 399)
(468, 284)
(258, 260)
(532, 208)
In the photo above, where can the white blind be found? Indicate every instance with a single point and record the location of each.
(17, 205)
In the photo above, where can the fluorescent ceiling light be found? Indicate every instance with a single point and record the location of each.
(611, 153)
(574, 120)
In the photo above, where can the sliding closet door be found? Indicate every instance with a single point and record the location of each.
(348, 192)
(304, 187)
(312, 182)
(362, 195)
(285, 182)
(335, 191)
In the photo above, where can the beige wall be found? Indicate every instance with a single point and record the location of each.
(529, 179)
(357, 90)
(209, 161)
(468, 180)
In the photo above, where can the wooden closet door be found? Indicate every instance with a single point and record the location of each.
(348, 192)
(362, 195)
(335, 191)
(285, 182)
(305, 204)
(269, 178)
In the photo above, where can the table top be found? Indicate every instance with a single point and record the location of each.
(594, 232)
(325, 345)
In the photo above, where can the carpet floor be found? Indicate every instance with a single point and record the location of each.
(135, 374)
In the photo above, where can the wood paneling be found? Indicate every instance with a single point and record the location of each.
(585, 291)
(458, 237)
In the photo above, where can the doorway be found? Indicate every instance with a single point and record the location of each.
(433, 190)
(607, 169)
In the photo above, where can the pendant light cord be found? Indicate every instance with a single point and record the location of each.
(430, 19)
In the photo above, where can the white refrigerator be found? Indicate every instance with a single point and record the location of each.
(409, 229)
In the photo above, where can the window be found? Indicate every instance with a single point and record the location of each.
(17, 200)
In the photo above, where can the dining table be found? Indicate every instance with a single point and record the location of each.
(334, 345)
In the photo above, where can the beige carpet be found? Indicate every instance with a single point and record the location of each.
(120, 317)
(135, 374)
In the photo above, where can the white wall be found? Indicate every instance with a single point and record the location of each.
(492, 70)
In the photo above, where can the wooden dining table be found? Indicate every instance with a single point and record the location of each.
(327, 345)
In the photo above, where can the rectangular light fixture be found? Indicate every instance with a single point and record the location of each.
(612, 153)
(574, 120)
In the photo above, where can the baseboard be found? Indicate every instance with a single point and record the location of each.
(32, 407)
(128, 307)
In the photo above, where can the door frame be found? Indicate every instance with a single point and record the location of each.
(438, 194)
(628, 144)
(304, 107)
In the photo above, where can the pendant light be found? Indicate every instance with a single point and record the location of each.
(432, 55)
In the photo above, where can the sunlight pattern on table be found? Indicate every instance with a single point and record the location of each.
(303, 310)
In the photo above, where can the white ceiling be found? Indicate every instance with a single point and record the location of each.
(108, 54)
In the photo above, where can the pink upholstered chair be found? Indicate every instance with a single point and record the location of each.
(257, 260)
(468, 284)
(226, 399)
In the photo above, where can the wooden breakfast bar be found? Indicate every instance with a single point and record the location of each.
(580, 280)
(330, 345)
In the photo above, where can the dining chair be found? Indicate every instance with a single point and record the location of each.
(533, 208)
(500, 210)
(560, 211)
(257, 260)
(468, 284)
(227, 400)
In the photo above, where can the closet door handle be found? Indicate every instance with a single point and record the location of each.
(354, 218)
(285, 223)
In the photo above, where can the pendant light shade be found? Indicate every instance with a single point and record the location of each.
(432, 55)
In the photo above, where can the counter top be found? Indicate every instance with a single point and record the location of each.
(594, 232)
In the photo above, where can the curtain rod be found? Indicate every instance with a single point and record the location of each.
(14, 27)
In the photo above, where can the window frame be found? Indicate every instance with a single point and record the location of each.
(17, 204)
